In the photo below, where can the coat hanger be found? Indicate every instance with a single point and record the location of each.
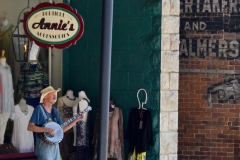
(141, 105)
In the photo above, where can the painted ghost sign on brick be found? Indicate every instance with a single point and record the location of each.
(210, 28)
(223, 92)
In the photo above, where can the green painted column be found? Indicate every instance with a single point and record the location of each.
(135, 59)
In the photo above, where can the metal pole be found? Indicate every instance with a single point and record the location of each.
(105, 74)
(50, 62)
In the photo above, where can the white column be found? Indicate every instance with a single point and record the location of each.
(169, 79)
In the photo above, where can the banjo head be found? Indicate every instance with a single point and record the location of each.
(57, 138)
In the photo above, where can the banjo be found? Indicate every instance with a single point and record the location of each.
(57, 138)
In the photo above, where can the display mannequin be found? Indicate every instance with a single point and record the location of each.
(22, 139)
(4, 24)
(81, 129)
(6, 29)
(6, 95)
(3, 59)
(65, 108)
(23, 106)
(111, 106)
(65, 104)
(115, 134)
(82, 104)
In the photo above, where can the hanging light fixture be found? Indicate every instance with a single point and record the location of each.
(22, 46)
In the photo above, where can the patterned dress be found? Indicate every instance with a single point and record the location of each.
(32, 79)
(82, 140)
(65, 110)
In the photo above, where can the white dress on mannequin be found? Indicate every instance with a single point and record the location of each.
(22, 139)
(6, 95)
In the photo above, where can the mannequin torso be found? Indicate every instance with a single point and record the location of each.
(80, 106)
(23, 106)
(5, 24)
(83, 103)
(65, 104)
(69, 99)
(3, 61)
(65, 108)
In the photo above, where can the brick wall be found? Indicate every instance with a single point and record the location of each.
(208, 121)
(209, 81)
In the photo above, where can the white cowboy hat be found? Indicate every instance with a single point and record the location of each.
(47, 90)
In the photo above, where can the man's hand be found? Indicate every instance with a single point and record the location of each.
(51, 131)
(80, 118)
(66, 128)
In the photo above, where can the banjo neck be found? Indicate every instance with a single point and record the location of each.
(76, 116)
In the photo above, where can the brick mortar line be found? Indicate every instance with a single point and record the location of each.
(218, 71)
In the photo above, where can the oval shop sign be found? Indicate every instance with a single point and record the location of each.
(53, 25)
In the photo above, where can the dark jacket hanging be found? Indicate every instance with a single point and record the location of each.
(139, 135)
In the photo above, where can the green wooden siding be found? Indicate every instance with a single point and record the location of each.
(135, 59)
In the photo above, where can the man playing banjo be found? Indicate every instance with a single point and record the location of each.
(48, 136)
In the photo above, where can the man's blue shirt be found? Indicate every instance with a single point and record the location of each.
(39, 120)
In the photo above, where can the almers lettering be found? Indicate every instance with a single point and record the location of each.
(216, 48)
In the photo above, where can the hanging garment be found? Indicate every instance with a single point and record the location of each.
(82, 136)
(65, 111)
(115, 135)
(32, 79)
(139, 131)
(22, 139)
(3, 123)
(139, 156)
(6, 44)
(6, 90)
